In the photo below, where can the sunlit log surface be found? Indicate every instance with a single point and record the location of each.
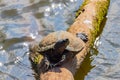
(88, 21)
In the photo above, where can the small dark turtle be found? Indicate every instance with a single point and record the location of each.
(55, 45)
(82, 36)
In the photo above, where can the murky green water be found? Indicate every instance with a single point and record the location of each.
(23, 21)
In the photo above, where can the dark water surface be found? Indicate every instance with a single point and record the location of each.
(22, 21)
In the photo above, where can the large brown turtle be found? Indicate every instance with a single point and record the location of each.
(55, 46)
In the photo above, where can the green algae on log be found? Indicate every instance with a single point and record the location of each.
(101, 9)
(88, 21)
(95, 19)
(80, 10)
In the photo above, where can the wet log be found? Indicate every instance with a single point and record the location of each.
(88, 21)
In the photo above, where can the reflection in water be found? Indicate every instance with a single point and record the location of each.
(9, 44)
(84, 68)
(9, 13)
(2, 36)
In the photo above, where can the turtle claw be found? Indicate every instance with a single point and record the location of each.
(48, 65)
(82, 36)
(63, 58)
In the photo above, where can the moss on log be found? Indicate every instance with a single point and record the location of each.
(88, 21)
(90, 14)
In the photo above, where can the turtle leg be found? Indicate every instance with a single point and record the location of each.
(82, 36)
(62, 59)
(47, 63)
(51, 65)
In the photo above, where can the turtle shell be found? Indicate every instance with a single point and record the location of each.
(48, 42)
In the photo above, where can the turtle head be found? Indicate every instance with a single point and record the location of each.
(61, 45)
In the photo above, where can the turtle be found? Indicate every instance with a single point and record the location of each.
(82, 36)
(56, 46)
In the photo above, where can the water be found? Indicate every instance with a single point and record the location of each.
(24, 21)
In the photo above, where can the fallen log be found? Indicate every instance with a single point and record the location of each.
(88, 21)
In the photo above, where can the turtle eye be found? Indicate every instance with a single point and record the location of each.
(65, 40)
(61, 44)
